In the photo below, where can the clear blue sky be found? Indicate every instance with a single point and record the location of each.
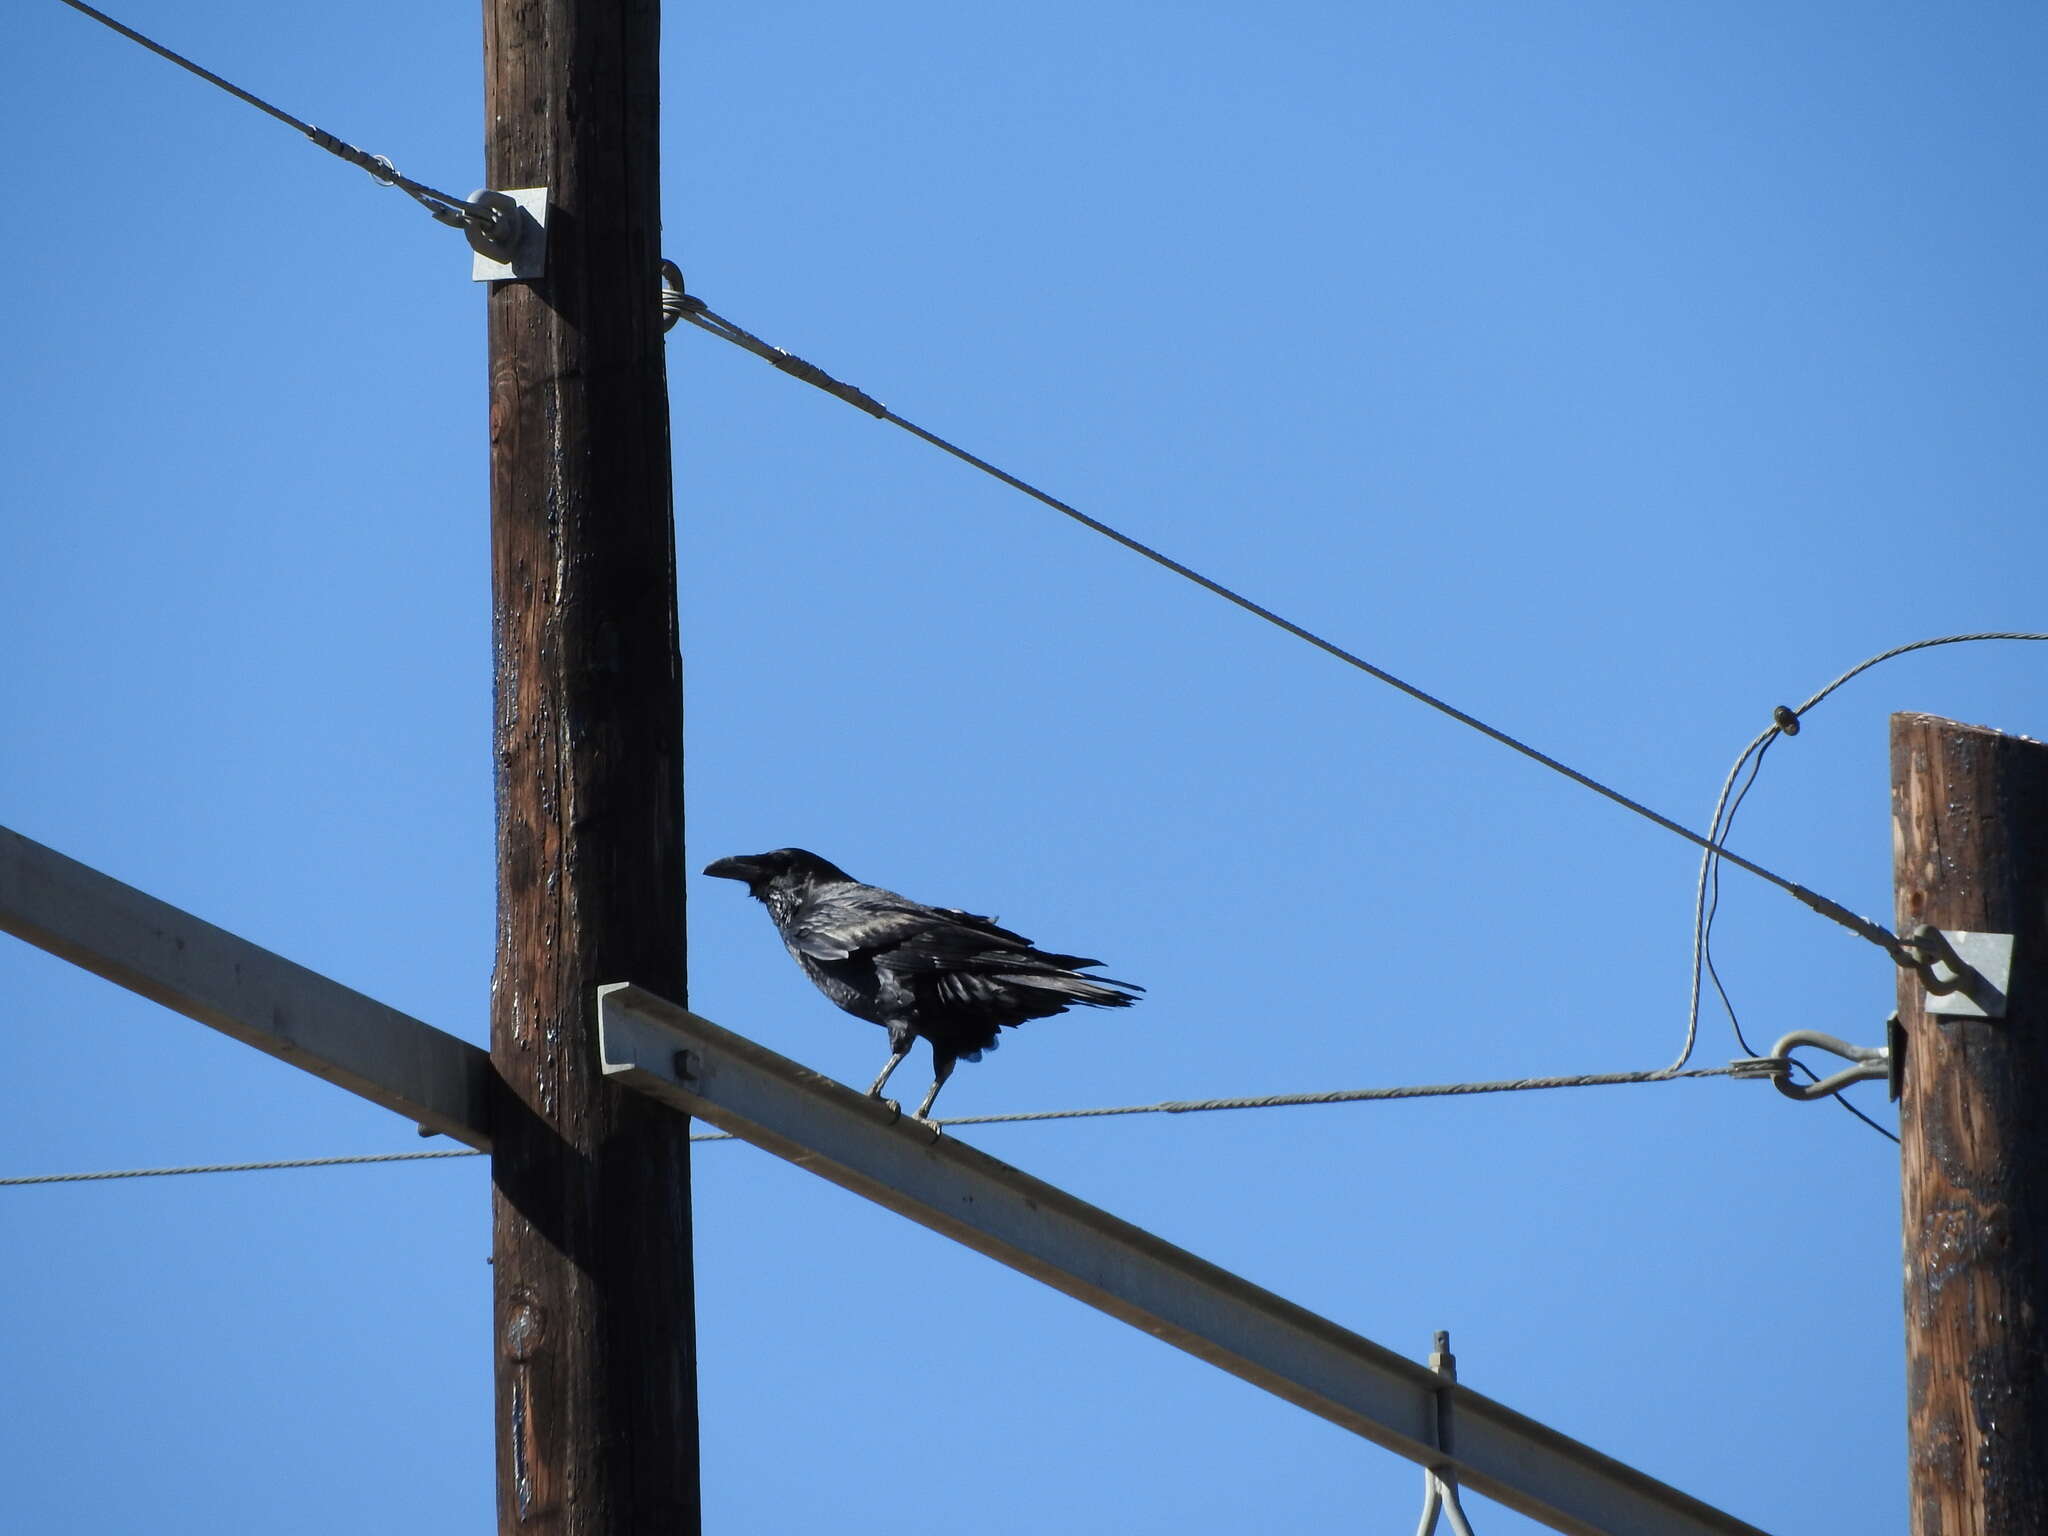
(1616, 371)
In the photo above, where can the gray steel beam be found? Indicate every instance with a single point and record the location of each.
(261, 999)
(654, 1046)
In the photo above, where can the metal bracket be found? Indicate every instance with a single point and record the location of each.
(1964, 974)
(516, 246)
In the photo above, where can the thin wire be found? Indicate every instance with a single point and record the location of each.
(380, 168)
(697, 314)
(1168, 1107)
(295, 1162)
(1703, 909)
(1347, 1096)
(1706, 929)
(1842, 1099)
(1914, 645)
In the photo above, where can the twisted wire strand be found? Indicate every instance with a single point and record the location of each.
(448, 209)
(1704, 920)
(289, 1162)
(698, 314)
(1914, 645)
(1167, 1107)
(1701, 918)
(1346, 1096)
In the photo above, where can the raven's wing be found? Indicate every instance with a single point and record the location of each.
(842, 921)
(982, 925)
(959, 949)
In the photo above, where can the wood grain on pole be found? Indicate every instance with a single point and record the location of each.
(596, 1388)
(1970, 840)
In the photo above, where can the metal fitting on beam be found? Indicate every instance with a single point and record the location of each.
(1440, 1481)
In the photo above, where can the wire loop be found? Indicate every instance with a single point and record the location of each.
(1868, 1063)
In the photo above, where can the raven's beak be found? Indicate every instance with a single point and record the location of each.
(734, 869)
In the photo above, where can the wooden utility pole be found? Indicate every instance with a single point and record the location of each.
(593, 1317)
(1970, 839)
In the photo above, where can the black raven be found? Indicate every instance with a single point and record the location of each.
(947, 975)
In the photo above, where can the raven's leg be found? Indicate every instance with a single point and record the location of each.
(942, 1068)
(901, 1038)
(895, 1061)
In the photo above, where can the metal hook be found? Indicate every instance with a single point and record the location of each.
(1952, 961)
(1931, 948)
(1871, 1062)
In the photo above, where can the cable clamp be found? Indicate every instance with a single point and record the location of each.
(1758, 1066)
(811, 373)
(1870, 1063)
(1964, 974)
(361, 159)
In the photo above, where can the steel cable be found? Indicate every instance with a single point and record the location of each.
(1167, 1107)
(698, 314)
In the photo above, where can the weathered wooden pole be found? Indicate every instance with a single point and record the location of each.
(596, 1380)
(1970, 839)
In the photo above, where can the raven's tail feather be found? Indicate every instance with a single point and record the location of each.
(1089, 991)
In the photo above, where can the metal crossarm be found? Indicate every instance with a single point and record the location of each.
(243, 990)
(657, 1048)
